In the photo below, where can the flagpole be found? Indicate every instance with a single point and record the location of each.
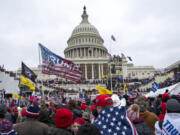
(110, 65)
(40, 68)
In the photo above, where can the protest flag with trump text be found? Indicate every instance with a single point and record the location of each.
(53, 64)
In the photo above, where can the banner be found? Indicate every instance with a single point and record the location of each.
(53, 64)
(27, 82)
(103, 90)
(171, 124)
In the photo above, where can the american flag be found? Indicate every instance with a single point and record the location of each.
(82, 98)
(109, 54)
(53, 64)
(123, 56)
(90, 49)
(113, 121)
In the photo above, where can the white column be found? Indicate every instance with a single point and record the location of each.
(85, 71)
(98, 52)
(92, 71)
(81, 52)
(73, 52)
(92, 53)
(99, 71)
(102, 69)
(88, 52)
(84, 52)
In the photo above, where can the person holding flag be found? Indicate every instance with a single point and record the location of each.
(112, 120)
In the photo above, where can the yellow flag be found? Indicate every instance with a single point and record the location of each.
(125, 87)
(15, 96)
(166, 74)
(23, 98)
(27, 82)
(103, 90)
(104, 76)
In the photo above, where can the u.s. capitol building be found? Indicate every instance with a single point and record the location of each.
(86, 48)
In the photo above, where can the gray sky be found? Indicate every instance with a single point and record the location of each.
(146, 30)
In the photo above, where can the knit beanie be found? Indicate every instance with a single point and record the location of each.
(93, 107)
(173, 106)
(32, 112)
(80, 121)
(165, 96)
(84, 107)
(88, 129)
(23, 112)
(63, 118)
(133, 112)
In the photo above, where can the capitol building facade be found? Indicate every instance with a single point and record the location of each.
(86, 49)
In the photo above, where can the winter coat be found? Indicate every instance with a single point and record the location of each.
(31, 127)
(6, 128)
(141, 127)
(59, 131)
(150, 119)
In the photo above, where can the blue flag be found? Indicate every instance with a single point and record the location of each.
(129, 58)
(113, 38)
(119, 79)
(155, 87)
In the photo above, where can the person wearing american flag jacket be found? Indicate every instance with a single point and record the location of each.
(112, 120)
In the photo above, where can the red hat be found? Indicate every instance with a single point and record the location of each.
(63, 118)
(31, 99)
(23, 112)
(80, 121)
(93, 107)
(165, 96)
(84, 107)
(12, 103)
(103, 100)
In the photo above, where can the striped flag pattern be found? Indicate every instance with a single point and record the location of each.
(53, 64)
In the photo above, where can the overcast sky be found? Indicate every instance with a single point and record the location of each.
(146, 30)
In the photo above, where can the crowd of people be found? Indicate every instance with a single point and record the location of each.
(103, 115)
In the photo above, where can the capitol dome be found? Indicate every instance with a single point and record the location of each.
(85, 48)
